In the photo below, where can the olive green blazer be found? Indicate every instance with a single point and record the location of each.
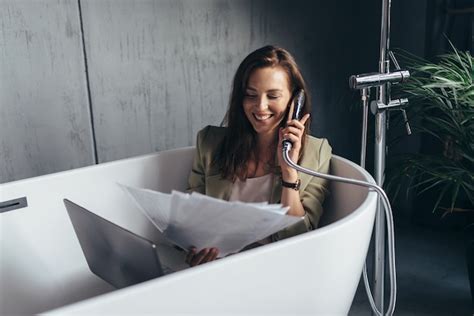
(205, 177)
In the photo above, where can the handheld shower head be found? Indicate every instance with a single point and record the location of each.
(299, 100)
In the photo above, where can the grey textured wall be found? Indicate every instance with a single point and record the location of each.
(156, 71)
(161, 70)
(44, 118)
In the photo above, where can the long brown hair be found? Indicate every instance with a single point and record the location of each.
(240, 142)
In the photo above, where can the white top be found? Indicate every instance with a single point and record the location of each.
(253, 189)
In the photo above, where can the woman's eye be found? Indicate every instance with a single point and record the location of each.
(250, 96)
(273, 97)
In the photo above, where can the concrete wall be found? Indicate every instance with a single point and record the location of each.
(152, 73)
(161, 70)
(44, 114)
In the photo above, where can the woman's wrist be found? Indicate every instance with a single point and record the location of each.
(291, 176)
(291, 185)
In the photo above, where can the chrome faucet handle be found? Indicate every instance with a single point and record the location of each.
(394, 60)
(405, 120)
(396, 104)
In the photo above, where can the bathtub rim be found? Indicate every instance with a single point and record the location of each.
(52, 175)
(371, 195)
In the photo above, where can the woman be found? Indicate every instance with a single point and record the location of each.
(243, 160)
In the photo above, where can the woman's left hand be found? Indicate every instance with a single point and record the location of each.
(195, 258)
(293, 132)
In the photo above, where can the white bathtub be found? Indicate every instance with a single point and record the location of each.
(43, 268)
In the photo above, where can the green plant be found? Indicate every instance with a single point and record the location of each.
(442, 98)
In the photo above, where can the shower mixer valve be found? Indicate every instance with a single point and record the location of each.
(377, 79)
(365, 82)
(397, 104)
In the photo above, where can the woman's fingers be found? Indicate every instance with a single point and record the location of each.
(205, 255)
(215, 254)
(199, 257)
(300, 123)
(293, 130)
(292, 138)
(190, 255)
(304, 119)
(211, 255)
(292, 134)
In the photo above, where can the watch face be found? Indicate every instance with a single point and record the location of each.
(297, 184)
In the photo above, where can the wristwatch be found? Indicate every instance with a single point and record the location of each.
(291, 185)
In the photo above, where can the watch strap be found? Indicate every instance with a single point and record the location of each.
(291, 185)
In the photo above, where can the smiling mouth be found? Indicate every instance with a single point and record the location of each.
(262, 117)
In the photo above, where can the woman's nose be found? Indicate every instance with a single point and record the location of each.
(262, 103)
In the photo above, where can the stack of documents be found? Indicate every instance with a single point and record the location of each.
(197, 220)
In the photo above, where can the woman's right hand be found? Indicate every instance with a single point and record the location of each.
(205, 255)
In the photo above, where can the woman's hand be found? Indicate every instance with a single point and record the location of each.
(205, 255)
(293, 132)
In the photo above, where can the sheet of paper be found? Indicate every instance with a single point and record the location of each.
(202, 221)
(277, 208)
(154, 205)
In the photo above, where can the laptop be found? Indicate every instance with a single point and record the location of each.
(116, 255)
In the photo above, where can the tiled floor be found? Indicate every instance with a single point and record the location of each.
(431, 274)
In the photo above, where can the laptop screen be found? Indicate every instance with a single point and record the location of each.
(113, 253)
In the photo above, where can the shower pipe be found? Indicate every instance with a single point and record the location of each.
(379, 107)
(382, 81)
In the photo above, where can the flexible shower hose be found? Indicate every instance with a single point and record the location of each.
(390, 229)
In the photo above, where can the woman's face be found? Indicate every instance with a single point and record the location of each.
(266, 99)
